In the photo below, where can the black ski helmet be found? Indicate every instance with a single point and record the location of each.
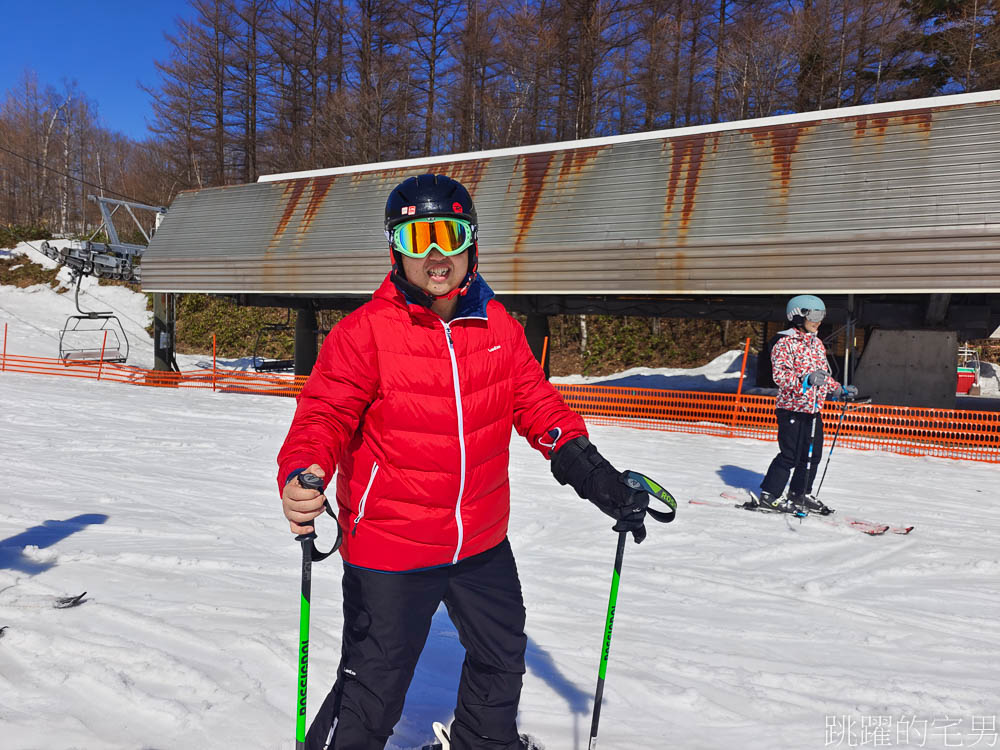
(424, 196)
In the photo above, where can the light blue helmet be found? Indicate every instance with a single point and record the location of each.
(798, 308)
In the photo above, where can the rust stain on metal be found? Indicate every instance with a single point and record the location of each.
(679, 262)
(534, 170)
(696, 153)
(783, 142)
(864, 123)
(686, 159)
(575, 160)
(320, 187)
(469, 172)
(921, 118)
(292, 195)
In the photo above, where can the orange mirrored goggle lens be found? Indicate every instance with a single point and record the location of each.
(418, 237)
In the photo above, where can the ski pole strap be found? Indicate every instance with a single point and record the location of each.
(313, 482)
(638, 481)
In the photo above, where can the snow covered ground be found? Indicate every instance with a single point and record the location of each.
(733, 629)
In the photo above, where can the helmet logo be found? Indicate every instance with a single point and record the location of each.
(456, 207)
(409, 210)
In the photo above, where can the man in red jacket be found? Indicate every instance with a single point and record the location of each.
(802, 374)
(411, 403)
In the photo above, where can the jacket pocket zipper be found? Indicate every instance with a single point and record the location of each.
(364, 500)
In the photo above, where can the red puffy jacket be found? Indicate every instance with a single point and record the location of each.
(415, 414)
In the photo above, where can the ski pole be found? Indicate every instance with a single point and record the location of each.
(309, 555)
(812, 437)
(840, 423)
(833, 444)
(636, 481)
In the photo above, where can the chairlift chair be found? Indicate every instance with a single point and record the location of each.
(92, 336)
(267, 331)
(968, 370)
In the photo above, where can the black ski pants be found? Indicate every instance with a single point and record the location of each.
(794, 431)
(387, 617)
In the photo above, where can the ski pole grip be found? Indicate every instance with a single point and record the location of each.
(309, 482)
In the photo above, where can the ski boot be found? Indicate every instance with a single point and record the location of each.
(443, 737)
(768, 503)
(810, 504)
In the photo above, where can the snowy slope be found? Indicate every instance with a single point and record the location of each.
(733, 630)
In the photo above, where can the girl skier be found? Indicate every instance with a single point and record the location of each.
(802, 374)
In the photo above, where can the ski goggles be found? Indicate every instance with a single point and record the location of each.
(814, 316)
(417, 237)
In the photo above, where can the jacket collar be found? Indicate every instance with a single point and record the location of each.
(472, 304)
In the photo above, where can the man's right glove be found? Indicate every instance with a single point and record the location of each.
(846, 393)
(578, 464)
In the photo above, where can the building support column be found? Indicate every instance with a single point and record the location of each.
(164, 334)
(305, 341)
(536, 329)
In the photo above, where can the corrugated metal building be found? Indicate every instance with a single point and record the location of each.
(890, 211)
(900, 197)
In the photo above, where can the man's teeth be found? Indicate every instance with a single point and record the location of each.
(438, 272)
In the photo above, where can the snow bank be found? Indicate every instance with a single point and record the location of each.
(721, 375)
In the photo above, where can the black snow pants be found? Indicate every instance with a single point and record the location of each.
(387, 617)
(794, 429)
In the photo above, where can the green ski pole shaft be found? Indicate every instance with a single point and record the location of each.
(309, 553)
(306, 596)
(606, 649)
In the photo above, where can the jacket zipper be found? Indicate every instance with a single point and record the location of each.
(364, 499)
(461, 440)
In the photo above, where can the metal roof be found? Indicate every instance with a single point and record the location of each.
(900, 197)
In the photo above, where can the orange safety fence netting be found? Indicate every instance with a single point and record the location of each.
(949, 433)
(223, 380)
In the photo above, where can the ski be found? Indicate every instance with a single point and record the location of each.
(58, 602)
(65, 602)
(871, 528)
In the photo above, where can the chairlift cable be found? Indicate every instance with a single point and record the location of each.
(69, 176)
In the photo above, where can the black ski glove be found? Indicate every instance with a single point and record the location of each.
(578, 464)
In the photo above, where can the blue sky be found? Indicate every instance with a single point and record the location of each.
(108, 46)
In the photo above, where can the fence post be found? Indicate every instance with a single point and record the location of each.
(100, 367)
(739, 388)
(3, 362)
(545, 350)
(213, 363)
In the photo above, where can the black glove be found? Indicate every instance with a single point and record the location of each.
(578, 464)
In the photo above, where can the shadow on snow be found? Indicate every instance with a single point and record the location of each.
(434, 688)
(44, 535)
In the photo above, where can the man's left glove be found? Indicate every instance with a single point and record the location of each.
(578, 464)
